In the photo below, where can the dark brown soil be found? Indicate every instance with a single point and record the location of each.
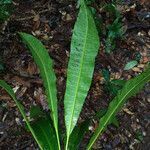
(52, 22)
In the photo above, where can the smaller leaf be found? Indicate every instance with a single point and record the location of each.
(5, 2)
(139, 135)
(45, 133)
(5, 9)
(9, 90)
(138, 56)
(130, 88)
(45, 65)
(102, 112)
(106, 74)
(41, 129)
(78, 134)
(130, 65)
(1, 67)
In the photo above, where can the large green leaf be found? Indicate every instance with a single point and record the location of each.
(84, 48)
(45, 65)
(130, 88)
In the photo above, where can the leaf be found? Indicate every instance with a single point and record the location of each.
(102, 112)
(5, 2)
(5, 9)
(118, 82)
(131, 87)
(115, 30)
(45, 65)
(45, 133)
(130, 65)
(106, 74)
(42, 130)
(77, 135)
(4, 85)
(114, 86)
(35, 112)
(84, 48)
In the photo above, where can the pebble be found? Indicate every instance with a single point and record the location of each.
(148, 100)
(149, 33)
(136, 69)
(36, 18)
(68, 17)
(37, 32)
(18, 121)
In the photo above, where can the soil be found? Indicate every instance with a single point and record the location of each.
(52, 22)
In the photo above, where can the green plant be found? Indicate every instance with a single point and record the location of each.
(112, 86)
(5, 9)
(84, 48)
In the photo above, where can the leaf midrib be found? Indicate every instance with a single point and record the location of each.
(77, 87)
(47, 82)
(52, 107)
(114, 111)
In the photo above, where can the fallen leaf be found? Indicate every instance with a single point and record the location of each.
(130, 65)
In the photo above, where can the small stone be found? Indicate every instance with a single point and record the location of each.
(37, 32)
(140, 34)
(15, 89)
(128, 111)
(149, 33)
(18, 121)
(91, 128)
(45, 37)
(145, 59)
(68, 17)
(148, 100)
(136, 69)
(141, 66)
(36, 18)
(144, 133)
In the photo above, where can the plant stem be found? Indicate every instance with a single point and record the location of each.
(67, 143)
(57, 135)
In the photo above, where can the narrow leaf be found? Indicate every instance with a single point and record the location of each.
(131, 87)
(4, 85)
(102, 112)
(84, 48)
(130, 65)
(45, 65)
(42, 130)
